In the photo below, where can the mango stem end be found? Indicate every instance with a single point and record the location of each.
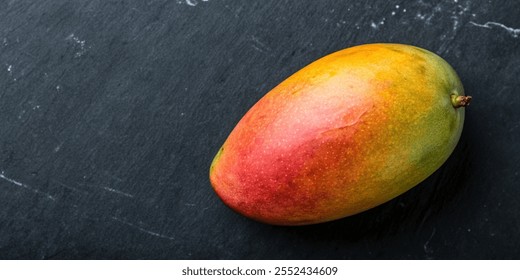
(460, 100)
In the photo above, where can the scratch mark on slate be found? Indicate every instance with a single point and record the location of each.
(258, 49)
(260, 46)
(113, 176)
(192, 3)
(426, 248)
(143, 229)
(69, 187)
(117, 192)
(20, 184)
(514, 32)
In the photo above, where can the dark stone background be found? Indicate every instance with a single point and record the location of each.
(111, 112)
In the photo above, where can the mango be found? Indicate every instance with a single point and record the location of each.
(344, 134)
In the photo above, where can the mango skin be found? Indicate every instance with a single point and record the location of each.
(344, 134)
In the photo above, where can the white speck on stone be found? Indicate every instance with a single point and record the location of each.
(393, 13)
(455, 23)
(192, 3)
(404, 10)
(397, 6)
(80, 43)
(10, 68)
(375, 25)
(58, 148)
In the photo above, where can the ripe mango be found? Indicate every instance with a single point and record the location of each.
(346, 133)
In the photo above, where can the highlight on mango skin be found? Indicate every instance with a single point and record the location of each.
(342, 135)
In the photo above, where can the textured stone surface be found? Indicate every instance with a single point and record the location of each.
(111, 112)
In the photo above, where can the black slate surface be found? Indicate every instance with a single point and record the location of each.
(111, 112)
